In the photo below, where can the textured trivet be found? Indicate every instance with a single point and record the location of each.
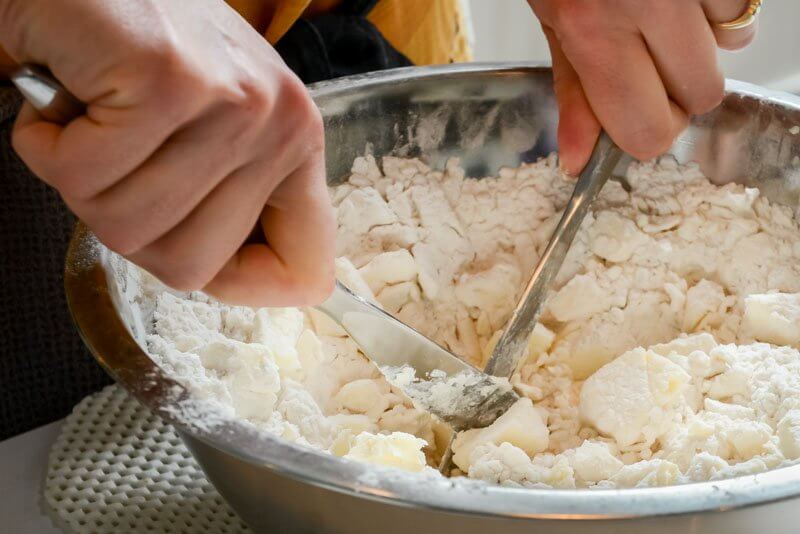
(118, 468)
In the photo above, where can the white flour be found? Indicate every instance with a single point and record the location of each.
(449, 257)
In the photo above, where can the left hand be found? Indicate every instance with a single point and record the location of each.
(636, 68)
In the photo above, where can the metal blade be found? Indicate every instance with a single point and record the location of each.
(433, 378)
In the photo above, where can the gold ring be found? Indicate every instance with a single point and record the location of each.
(745, 19)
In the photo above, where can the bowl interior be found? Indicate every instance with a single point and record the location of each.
(490, 116)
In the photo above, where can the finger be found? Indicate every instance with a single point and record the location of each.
(96, 150)
(718, 11)
(680, 119)
(683, 48)
(623, 87)
(165, 189)
(296, 265)
(189, 255)
(578, 127)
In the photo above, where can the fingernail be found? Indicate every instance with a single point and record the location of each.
(563, 168)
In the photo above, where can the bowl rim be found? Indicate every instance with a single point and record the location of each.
(91, 301)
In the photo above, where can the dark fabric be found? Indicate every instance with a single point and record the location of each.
(356, 7)
(338, 44)
(44, 367)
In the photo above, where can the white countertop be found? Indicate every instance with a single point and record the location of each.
(23, 465)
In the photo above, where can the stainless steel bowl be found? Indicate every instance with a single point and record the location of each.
(490, 116)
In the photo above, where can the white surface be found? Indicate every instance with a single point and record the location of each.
(23, 463)
(507, 30)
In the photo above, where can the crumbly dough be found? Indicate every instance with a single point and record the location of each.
(666, 354)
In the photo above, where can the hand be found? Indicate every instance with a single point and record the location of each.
(195, 134)
(638, 68)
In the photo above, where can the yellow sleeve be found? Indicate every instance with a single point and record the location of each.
(426, 31)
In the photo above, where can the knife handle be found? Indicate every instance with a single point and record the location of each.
(45, 93)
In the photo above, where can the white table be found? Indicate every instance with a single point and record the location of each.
(23, 465)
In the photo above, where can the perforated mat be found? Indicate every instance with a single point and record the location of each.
(118, 468)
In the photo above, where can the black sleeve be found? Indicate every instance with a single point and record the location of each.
(44, 367)
(338, 44)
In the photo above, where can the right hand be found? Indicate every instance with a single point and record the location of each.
(195, 133)
(638, 68)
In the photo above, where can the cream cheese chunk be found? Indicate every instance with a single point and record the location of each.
(636, 398)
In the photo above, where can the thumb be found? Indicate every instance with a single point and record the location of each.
(578, 128)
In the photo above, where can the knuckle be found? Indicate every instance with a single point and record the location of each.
(316, 130)
(313, 138)
(116, 231)
(707, 99)
(297, 96)
(118, 239)
(312, 128)
(576, 21)
(170, 77)
(250, 100)
(255, 98)
(324, 288)
(110, 229)
(648, 141)
(567, 13)
(72, 184)
(314, 289)
(185, 275)
(701, 104)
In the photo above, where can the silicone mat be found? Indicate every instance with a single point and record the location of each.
(118, 468)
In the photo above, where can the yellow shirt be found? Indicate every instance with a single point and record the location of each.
(427, 32)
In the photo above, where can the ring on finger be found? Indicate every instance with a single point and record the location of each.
(744, 20)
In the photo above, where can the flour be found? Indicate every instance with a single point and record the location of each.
(463, 400)
(650, 365)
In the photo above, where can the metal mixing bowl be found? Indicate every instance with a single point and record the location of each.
(489, 115)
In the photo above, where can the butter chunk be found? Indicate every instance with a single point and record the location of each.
(348, 275)
(685, 345)
(393, 298)
(593, 462)
(522, 426)
(635, 398)
(613, 237)
(540, 341)
(389, 268)
(362, 210)
(789, 434)
(280, 328)
(581, 298)
(773, 318)
(505, 464)
(647, 473)
(249, 371)
(746, 439)
(398, 449)
(366, 395)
